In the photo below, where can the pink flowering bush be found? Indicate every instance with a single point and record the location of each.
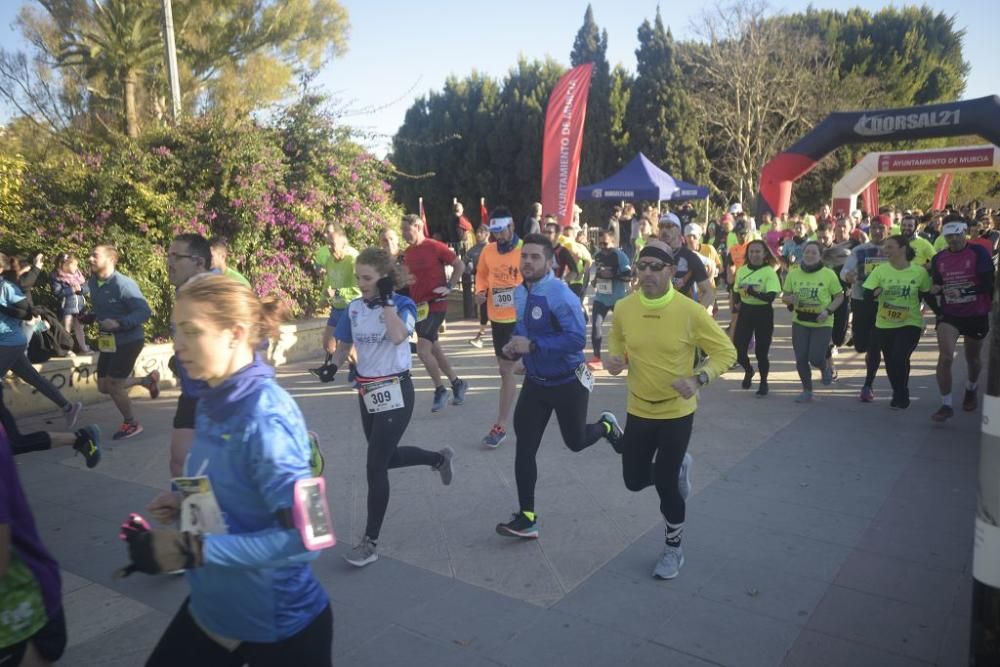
(268, 190)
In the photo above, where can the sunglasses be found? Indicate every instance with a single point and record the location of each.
(650, 266)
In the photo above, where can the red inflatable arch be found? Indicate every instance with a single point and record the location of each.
(980, 116)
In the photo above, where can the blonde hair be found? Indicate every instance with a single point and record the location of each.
(228, 303)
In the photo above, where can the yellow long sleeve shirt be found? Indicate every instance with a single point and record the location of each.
(659, 342)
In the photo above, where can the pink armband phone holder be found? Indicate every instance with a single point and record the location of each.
(311, 514)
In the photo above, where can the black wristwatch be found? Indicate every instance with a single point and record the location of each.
(702, 378)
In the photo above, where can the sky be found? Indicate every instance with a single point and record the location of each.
(399, 50)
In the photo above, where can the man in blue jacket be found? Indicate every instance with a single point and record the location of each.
(549, 338)
(120, 310)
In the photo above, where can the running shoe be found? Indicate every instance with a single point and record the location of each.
(477, 342)
(970, 402)
(88, 443)
(684, 478)
(827, 375)
(72, 412)
(496, 435)
(613, 433)
(804, 397)
(153, 384)
(669, 565)
(943, 414)
(519, 526)
(316, 461)
(440, 399)
(747, 378)
(363, 554)
(595, 364)
(127, 430)
(458, 389)
(762, 389)
(867, 394)
(447, 472)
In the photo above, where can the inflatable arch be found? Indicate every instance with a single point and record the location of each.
(980, 117)
(908, 163)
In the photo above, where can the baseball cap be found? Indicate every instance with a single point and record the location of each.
(955, 228)
(499, 224)
(736, 208)
(693, 229)
(670, 219)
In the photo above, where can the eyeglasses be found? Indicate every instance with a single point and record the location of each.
(650, 266)
(175, 256)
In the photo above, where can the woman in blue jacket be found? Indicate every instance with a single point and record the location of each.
(254, 599)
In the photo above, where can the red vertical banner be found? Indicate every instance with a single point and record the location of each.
(941, 192)
(423, 216)
(563, 141)
(869, 198)
(484, 215)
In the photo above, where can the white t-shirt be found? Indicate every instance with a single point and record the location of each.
(364, 327)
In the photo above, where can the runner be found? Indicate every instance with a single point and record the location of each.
(610, 284)
(425, 260)
(689, 275)
(549, 338)
(15, 311)
(813, 292)
(693, 236)
(857, 267)
(335, 261)
(793, 247)
(379, 325)
(565, 260)
(922, 248)
(655, 334)
(86, 440)
(755, 288)
(472, 264)
(253, 597)
(834, 257)
(963, 281)
(497, 276)
(220, 261)
(32, 623)
(120, 310)
(899, 284)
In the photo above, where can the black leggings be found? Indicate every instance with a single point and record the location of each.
(384, 430)
(841, 316)
(531, 415)
(897, 347)
(667, 441)
(22, 443)
(601, 311)
(184, 643)
(758, 322)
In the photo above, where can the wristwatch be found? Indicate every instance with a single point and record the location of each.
(702, 378)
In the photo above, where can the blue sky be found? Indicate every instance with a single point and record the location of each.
(400, 49)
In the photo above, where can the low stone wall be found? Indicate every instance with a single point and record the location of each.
(76, 377)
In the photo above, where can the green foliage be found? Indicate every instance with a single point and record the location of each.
(268, 190)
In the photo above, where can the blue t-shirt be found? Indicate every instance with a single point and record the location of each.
(364, 327)
(11, 331)
(550, 315)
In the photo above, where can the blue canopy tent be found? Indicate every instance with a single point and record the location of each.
(641, 180)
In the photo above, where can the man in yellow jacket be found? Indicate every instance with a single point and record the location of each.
(655, 334)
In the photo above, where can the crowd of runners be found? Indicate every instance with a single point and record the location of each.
(238, 519)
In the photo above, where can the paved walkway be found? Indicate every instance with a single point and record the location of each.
(836, 533)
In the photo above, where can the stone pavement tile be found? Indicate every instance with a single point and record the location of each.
(948, 520)
(900, 580)
(125, 646)
(764, 590)
(815, 649)
(821, 524)
(636, 564)
(471, 617)
(877, 621)
(961, 605)
(726, 635)
(955, 644)
(399, 646)
(94, 610)
(353, 627)
(70, 582)
(636, 605)
(862, 448)
(562, 639)
(656, 655)
(514, 567)
(911, 543)
(164, 593)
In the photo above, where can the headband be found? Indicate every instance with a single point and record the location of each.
(654, 252)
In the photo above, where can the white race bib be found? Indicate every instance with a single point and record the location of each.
(382, 396)
(603, 286)
(106, 343)
(585, 377)
(200, 512)
(503, 298)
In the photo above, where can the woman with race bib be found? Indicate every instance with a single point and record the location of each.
(812, 291)
(755, 287)
(378, 327)
(899, 286)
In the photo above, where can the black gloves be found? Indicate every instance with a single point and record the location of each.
(327, 372)
(160, 550)
(385, 286)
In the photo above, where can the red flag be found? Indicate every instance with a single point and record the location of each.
(869, 198)
(484, 215)
(941, 192)
(562, 142)
(423, 216)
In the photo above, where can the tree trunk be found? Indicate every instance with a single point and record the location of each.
(129, 83)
